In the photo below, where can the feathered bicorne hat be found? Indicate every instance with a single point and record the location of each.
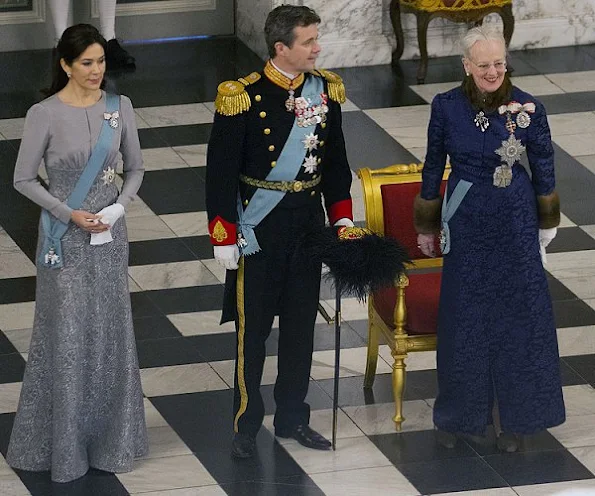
(359, 260)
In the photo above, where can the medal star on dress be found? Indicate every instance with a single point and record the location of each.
(109, 175)
(311, 142)
(310, 164)
(511, 150)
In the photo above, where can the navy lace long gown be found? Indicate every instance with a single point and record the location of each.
(496, 329)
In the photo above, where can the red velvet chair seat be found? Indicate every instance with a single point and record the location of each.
(421, 298)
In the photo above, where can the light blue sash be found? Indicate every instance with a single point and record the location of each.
(53, 228)
(288, 165)
(449, 207)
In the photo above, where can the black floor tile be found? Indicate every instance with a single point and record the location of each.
(324, 337)
(558, 59)
(450, 475)
(26, 239)
(184, 300)
(564, 103)
(418, 446)
(154, 327)
(17, 290)
(390, 90)
(368, 145)
(195, 134)
(440, 70)
(486, 445)
(149, 138)
(157, 251)
(317, 398)
(571, 239)
(167, 352)
(558, 291)
(6, 346)
(541, 467)
(199, 245)
(8, 158)
(573, 313)
(215, 347)
(142, 306)
(583, 365)
(12, 367)
(570, 377)
(14, 104)
(173, 191)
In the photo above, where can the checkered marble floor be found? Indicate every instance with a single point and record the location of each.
(186, 358)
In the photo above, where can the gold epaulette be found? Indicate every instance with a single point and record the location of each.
(232, 97)
(336, 88)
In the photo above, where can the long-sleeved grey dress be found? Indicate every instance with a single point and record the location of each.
(81, 404)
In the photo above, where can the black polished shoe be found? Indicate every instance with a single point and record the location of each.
(243, 446)
(118, 58)
(306, 436)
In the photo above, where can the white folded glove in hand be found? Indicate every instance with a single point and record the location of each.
(227, 256)
(545, 238)
(109, 215)
(427, 245)
(344, 222)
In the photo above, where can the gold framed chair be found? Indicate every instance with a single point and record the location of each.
(469, 11)
(406, 314)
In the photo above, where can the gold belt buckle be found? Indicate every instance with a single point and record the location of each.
(298, 186)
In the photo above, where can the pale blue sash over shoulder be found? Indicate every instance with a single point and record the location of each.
(288, 165)
(53, 229)
(449, 207)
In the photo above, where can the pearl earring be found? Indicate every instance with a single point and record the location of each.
(467, 74)
(68, 74)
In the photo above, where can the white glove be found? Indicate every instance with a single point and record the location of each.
(426, 243)
(545, 238)
(344, 222)
(227, 256)
(109, 215)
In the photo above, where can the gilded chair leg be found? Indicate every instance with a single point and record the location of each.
(372, 359)
(423, 20)
(395, 18)
(399, 389)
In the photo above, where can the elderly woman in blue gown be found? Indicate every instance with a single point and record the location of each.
(497, 348)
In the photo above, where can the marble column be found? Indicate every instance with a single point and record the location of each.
(351, 31)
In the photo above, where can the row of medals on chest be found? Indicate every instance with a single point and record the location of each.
(308, 115)
(511, 149)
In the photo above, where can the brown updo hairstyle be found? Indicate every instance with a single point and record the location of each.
(74, 41)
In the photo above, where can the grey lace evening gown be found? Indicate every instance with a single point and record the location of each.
(81, 403)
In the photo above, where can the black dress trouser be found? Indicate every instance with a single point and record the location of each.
(278, 280)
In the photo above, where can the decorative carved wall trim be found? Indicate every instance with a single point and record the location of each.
(35, 15)
(157, 7)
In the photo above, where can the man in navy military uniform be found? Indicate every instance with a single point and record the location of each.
(276, 149)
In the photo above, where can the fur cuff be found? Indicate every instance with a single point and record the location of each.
(426, 215)
(548, 207)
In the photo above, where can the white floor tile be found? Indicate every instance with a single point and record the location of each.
(585, 488)
(579, 400)
(9, 397)
(378, 418)
(588, 161)
(352, 363)
(161, 159)
(412, 116)
(200, 323)
(180, 379)
(172, 275)
(163, 441)
(147, 228)
(190, 491)
(17, 315)
(576, 341)
(159, 474)
(577, 144)
(571, 123)
(193, 155)
(352, 453)
(574, 81)
(176, 115)
(187, 224)
(379, 481)
(576, 432)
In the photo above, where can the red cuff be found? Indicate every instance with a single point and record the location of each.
(341, 209)
(222, 232)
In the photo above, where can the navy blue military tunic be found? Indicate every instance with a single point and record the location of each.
(496, 329)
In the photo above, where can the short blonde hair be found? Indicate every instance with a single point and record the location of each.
(481, 33)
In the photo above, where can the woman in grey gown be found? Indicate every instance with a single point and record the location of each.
(81, 404)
